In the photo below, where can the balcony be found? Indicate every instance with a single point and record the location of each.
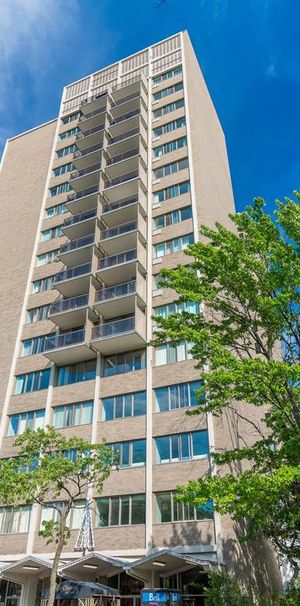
(121, 297)
(125, 185)
(127, 121)
(123, 91)
(90, 137)
(130, 154)
(74, 281)
(92, 118)
(94, 103)
(76, 251)
(88, 156)
(85, 177)
(120, 335)
(68, 348)
(122, 237)
(124, 209)
(83, 200)
(121, 268)
(80, 225)
(67, 313)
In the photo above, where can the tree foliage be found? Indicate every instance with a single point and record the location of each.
(247, 348)
(44, 473)
(224, 590)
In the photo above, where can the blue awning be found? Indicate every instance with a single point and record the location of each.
(68, 590)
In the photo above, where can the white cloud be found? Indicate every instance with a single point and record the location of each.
(31, 32)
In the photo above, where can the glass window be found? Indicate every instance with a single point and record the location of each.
(180, 447)
(165, 92)
(170, 510)
(126, 405)
(173, 246)
(70, 415)
(54, 232)
(168, 169)
(170, 146)
(169, 127)
(70, 118)
(170, 107)
(18, 423)
(169, 74)
(41, 285)
(63, 169)
(75, 373)
(14, 520)
(59, 189)
(65, 151)
(164, 507)
(69, 133)
(122, 363)
(138, 509)
(52, 211)
(171, 192)
(115, 511)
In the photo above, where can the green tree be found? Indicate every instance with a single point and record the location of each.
(44, 474)
(247, 349)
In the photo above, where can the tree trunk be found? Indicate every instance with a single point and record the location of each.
(58, 552)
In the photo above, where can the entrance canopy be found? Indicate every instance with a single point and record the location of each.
(91, 565)
(167, 562)
(29, 566)
(69, 590)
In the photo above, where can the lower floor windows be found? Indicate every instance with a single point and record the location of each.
(170, 510)
(80, 413)
(177, 396)
(34, 419)
(75, 373)
(182, 447)
(124, 362)
(172, 246)
(120, 511)
(130, 454)
(36, 314)
(32, 381)
(74, 519)
(125, 405)
(14, 520)
(167, 353)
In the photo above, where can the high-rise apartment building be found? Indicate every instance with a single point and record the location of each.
(93, 205)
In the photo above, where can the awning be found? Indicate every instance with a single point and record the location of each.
(68, 590)
(93, 564)
(20, 570)
(167, 562)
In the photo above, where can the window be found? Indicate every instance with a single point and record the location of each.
(55, 210)
(164, 311)
(35, 345)
(165, 92)
(25, 420)
(69, 133)
(36, 314)
(32, 381)
(124, 362)
(75, 373)
(182, 447)
(48, 257)
(166, 109)
(59, 189)
(54, 232)
(65, 151)
(170, 74)
(182, 395)
(70, 118)
(170, 510)
(176, 216)
(170, 146)
(120, 511)
(169, 127)
(172, 192)
(80, 413)
(74, 519)
(169, 169)
(131, 454)
(62, 170)
(167, 353)
(14, 520)
(172, 246)
(126, 405)
(41, 285)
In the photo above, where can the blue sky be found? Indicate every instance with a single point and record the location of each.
(249, 51)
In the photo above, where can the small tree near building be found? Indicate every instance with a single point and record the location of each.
(55, 471)
(247, 349)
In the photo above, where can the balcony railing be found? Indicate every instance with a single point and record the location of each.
(96, 112)
(69, 304)
(125, 257)
(121, 179)
(88, 150)
(85, 171)
(107, 208)
(90, 131)
(88, 214)
(65, 340)
(113, 292)
(118, 230)
(120, 157)
(93, 97)
(83, 192)
(129, 133)
(134, 112)
(73, 272)
(74, 244)
(115, 327)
